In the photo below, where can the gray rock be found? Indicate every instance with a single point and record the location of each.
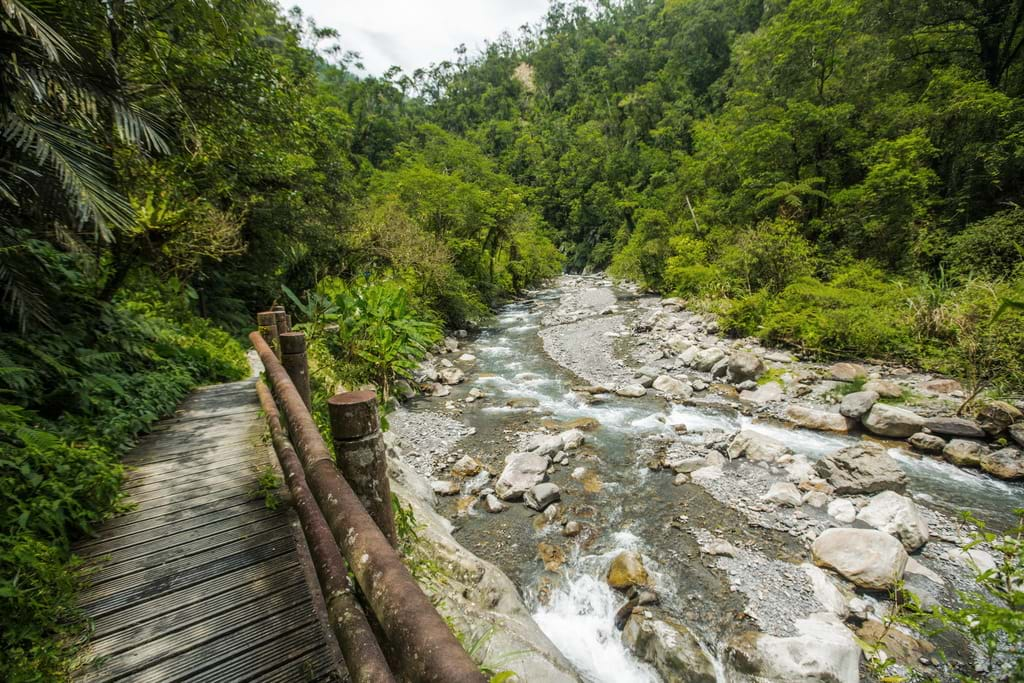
(668, 646)
(719, 370)
(863, 468)
(756, 446)
(705, 359)
(494, 504)
(842, 510)
(1006, 463)
(783, 493)
(940, 386)
(631, 390)
(898, 516)
(868, 558)
(571, 528)
(884, 388)
(927, 443)
(522, 472)
(1016, 433)
(764, 394)
(886, 420)
(744, 366)
(822, 650)
(963, 453)
(445, 488)
(541, 496)
(847, 372)
(997, 416)
(857, 404)
(820, 420)
(955, 426)
(748, 385)
(452, 375)
(672, 386)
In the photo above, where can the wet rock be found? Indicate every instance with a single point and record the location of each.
(451, 345)
(842, 510)
(744, 366)
(897, 516)
(940, 386)
(705, 359)
(587, 424)
(436, 389)
(863, 468)
(522, 402)
(857, 404)
(783, 493)
(997, 416)
(963, 453)
(830, 597)
(756, 446)
(902, 647)
(886, 420)
(809, 418)
(572, 439)
(769, 392)
(627, 570)
(847, 372)
(522, 472)
(403, 390)
(551, 555)
(724, 390)
(823, 650)
(1016, 433)
(541, 496)
(955, 426)
(624, 613)
(927, 443)
(466, 466)
(668, 646)
(868, 558)
(672, 386)
(571, 528)
(1006, 463)
(720, 369)
(467, 358)
(884, 388)
(631, 390)
(445, 488)
(451, 375)
(680, 479)
(494, 504)
(591, 389)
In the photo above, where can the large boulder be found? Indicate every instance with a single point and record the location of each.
(955, 426)
(964, 453)
(809, 418)
(522, 472)
(864, 468)
(847, 372)
(705, 359)
(1006, 463)
(940, 386)
(927, 443)
(541, 496)
(768, 392)
(627, 570)
(631, 390)
(898, 516)
(451, 375)
(997, 416)
(887, 420)
(884, 387)
(830, 597)
(668, 646)
(1016, 433)
(744, 366)
(756, 446)
(783, 493)
(868, 558)
(857, 404)
(822, 651)
(672, 386)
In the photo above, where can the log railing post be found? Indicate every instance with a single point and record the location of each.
(295, 361)
(266, 321)
(361, 456)
(284, 321)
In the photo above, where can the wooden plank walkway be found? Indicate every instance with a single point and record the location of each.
(200, 581)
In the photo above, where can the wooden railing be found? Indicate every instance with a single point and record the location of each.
(389, 630)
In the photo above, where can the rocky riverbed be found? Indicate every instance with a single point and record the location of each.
(762, 504)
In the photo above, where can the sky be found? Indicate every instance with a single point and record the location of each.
(413, 34)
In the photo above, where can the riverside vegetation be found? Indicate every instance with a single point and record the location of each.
(840, 176)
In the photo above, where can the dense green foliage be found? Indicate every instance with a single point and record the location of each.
(843, 176)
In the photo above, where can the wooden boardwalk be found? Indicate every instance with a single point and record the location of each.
(201, 581)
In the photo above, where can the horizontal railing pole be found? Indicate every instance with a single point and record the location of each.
(363, 657)
(426, 647)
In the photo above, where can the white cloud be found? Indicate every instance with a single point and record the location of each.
(414, 34)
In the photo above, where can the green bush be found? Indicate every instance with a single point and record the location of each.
(993, 246)
(770, 256)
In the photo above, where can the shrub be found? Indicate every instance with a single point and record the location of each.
(993, 246)
(770, 256)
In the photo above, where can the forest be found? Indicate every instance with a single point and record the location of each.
(843, 177)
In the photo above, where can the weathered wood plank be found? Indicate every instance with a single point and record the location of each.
(199, 581)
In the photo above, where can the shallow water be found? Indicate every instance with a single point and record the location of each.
(634, 508)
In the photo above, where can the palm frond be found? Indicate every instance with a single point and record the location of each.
(80, 166)
(136, 126)
(23, 20)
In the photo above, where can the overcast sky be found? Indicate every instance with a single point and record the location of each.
(415, 33)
